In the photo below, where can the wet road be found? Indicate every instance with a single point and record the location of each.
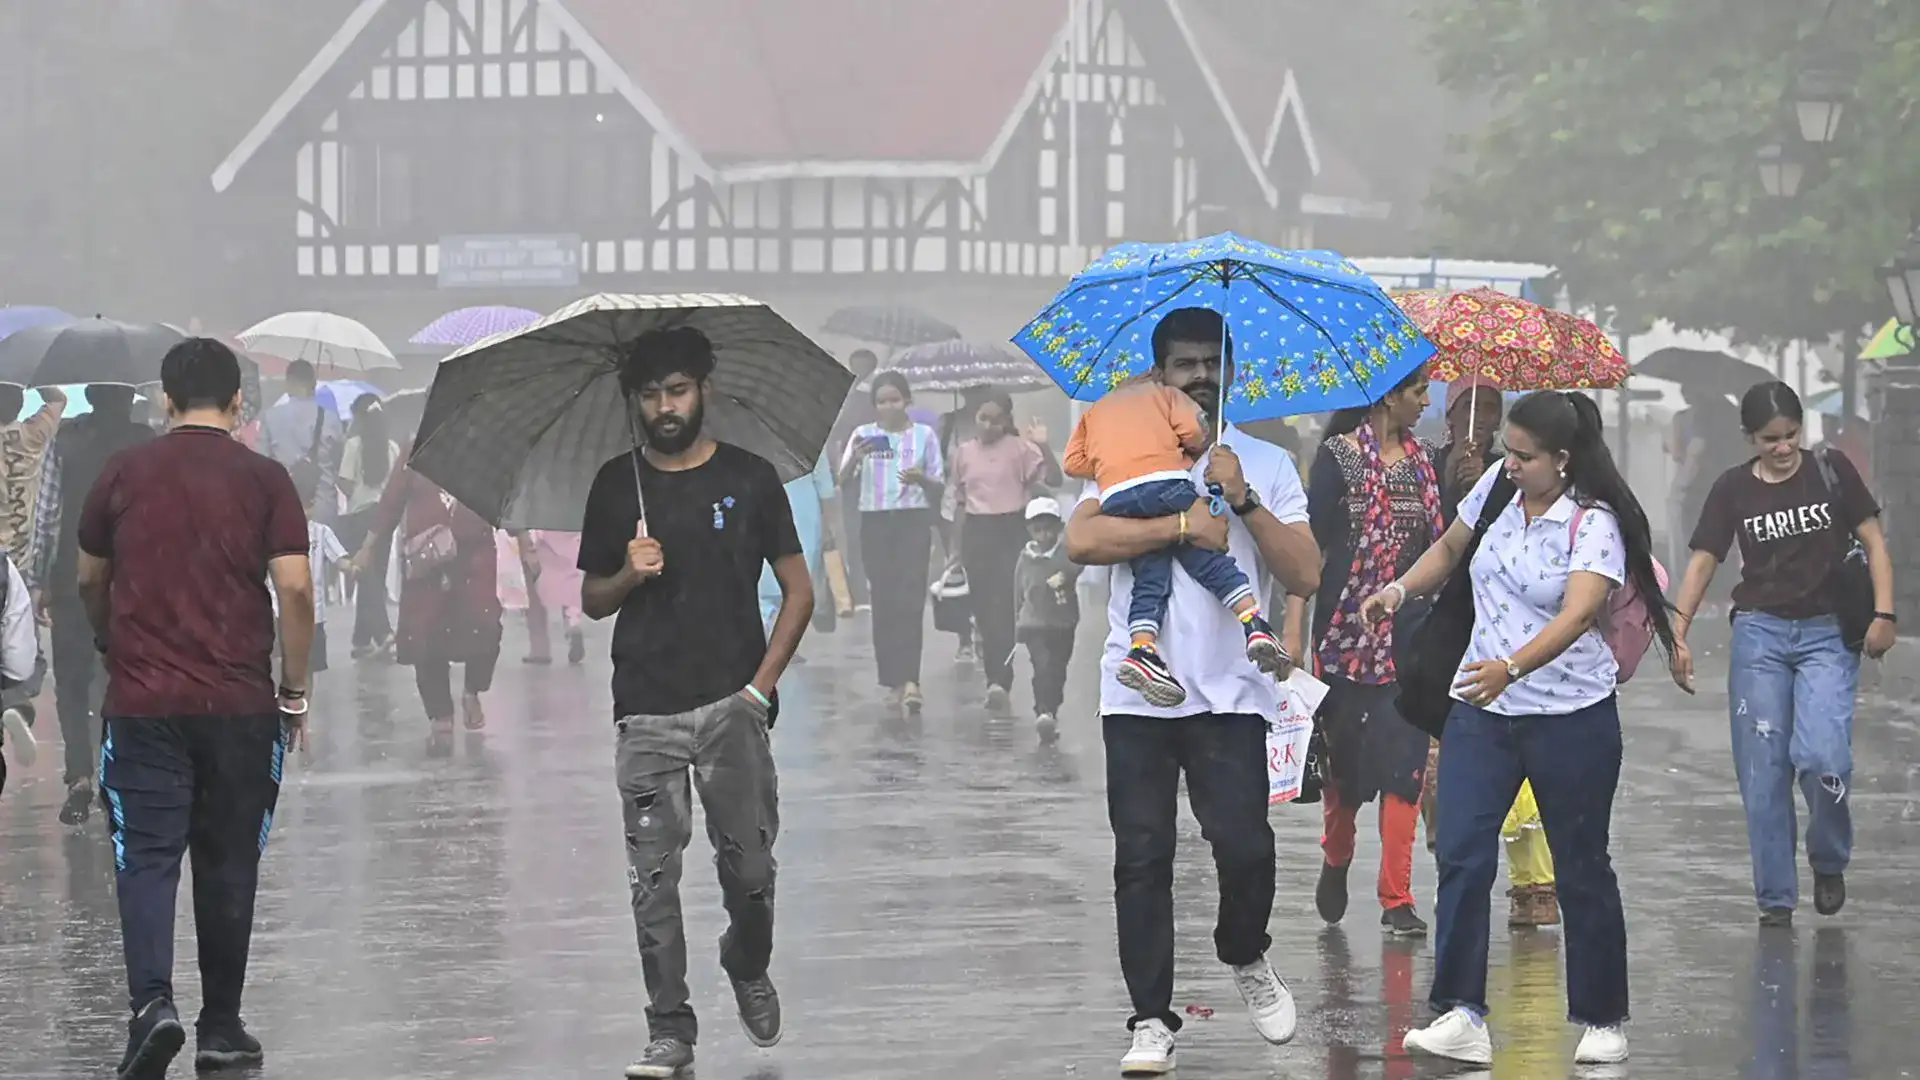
(945, 904)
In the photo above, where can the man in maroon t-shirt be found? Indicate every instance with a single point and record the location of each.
(177, 540)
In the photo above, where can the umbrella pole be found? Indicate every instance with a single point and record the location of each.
(639, 493)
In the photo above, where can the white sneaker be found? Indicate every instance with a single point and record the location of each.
(1602, 1046)
(20, 737)
(1457, 1036)
(1269, 1002)
(1152, 1052)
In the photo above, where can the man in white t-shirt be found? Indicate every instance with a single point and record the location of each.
(1218, 736)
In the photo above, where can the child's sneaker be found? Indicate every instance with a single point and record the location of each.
(1263, 648)
(1146, 674)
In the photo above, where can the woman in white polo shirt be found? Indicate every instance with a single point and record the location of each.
(1534, 700)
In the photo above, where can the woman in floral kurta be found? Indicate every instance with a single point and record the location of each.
(450, 615)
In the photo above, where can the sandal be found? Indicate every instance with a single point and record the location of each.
(476, 717)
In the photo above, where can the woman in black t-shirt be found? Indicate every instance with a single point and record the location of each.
(1792, 677)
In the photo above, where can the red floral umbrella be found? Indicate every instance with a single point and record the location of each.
(1516, 343)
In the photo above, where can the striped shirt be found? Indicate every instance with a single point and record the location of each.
(918, 447)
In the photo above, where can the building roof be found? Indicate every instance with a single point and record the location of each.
(751, 90)
(751, 82)
(1265, 95)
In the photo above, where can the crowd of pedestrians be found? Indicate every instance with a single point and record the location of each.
(184, 561)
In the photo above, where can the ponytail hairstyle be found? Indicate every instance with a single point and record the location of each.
(1570, 422)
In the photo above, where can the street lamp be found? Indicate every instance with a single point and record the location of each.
(1781, 170)
(1902, 276)
(1819, 101)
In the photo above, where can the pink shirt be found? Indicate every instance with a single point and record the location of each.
(996, 478)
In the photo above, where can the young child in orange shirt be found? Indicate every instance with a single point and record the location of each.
(1138, 444)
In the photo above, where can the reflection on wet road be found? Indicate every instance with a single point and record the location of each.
(945, 904)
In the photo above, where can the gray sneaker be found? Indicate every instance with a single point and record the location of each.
(662, 1059)
(759, 1010)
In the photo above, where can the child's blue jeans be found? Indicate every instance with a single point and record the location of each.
(1153, 572)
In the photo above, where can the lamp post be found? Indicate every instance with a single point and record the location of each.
(1782, 168)
(1902, 276)
(1819, 100)
(1896, 443)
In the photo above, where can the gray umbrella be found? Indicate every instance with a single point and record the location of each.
(517, 426)
(92, 350)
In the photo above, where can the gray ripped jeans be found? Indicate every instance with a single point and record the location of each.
(725, 745)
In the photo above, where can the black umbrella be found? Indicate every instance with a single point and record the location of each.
(893, 326)
(517, 427)
(92, 350)
(1703, 368)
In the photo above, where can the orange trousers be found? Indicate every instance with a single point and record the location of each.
(1399, 820)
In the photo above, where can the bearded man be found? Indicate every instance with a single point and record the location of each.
(694, 675)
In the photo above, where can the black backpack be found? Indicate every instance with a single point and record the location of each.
(1430, 637)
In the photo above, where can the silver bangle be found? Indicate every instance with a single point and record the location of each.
(1399, 588)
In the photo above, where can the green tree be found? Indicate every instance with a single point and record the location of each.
(1622, 147)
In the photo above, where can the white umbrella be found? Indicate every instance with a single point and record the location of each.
(320, 338)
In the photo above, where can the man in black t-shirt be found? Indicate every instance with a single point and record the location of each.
(693, 676)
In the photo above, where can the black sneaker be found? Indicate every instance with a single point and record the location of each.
(662, 1059)
(1403, 922)
(1777, 918)
(154, 1037)
(759, 1010)
(1829, 893)
(226, 1046)
(79, 803)
(1146, 674)
(1330, 896)
(1263, 647)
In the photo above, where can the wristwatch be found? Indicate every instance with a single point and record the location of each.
(1513, 670)
(1885, 616)
(1248, 507)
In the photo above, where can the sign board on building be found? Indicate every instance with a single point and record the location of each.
(468, 262)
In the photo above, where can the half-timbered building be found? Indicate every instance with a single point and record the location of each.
(966, 155)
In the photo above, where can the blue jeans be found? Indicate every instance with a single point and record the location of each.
(1153, 572)
(1790, 692)
(1574, 763)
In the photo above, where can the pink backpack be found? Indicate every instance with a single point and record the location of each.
(1624, 623)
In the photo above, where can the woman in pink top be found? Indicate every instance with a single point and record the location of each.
(547, 559)
(993, 475)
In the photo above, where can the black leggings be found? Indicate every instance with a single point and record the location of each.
(435, 680)
(895, 546)
(990, 550)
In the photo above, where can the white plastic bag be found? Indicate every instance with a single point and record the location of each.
(1288, 732)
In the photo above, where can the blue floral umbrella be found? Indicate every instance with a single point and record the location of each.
(1311, 332)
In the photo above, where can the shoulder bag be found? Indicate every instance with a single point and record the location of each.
(1851, 581)
(1430, 636)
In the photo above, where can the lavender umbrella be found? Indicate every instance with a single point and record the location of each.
(461, 328)
(15, 319)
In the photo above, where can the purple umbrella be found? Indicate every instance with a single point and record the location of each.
(15, 319)
(459, 329)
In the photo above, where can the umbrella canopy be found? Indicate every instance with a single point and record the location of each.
(92, 350)
(894, 326)
(1311, 333)
(1832, 403)
(1703, 368)
(1890, 340)
(338, 396)
(1516, 343)
(517, 427)
(321, 339)
(953, 366)
(15, 319)
(461, 328)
